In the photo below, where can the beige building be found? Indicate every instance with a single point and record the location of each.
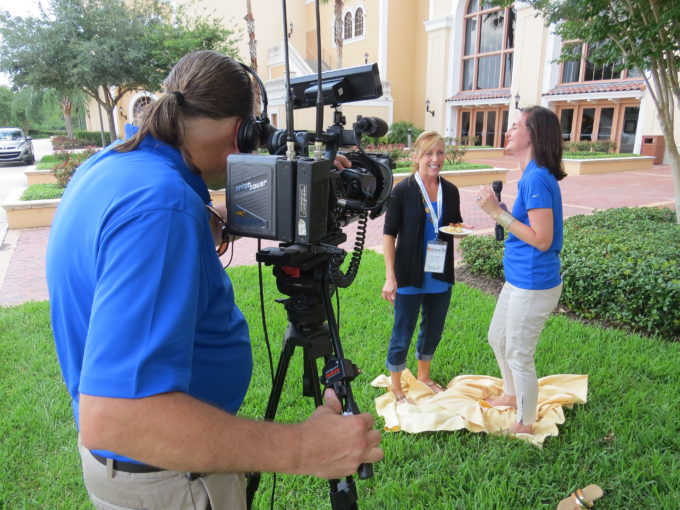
(451, 65)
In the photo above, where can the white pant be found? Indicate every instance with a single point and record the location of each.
(515, 328)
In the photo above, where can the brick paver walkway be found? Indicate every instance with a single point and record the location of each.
(22, 253)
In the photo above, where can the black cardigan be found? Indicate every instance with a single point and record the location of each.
(405, 220)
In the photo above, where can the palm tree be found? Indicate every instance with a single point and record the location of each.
(338, 29)
(252, 43)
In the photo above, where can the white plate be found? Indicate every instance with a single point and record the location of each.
(448, 230)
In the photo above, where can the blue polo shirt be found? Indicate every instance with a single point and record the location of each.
(140, 304)
(525, 266)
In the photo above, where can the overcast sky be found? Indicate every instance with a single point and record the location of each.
(19, 8)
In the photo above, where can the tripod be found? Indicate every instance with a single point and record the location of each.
(303, 276)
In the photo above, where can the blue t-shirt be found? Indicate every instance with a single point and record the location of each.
(430, 285)
(140, 303)
(525, 266)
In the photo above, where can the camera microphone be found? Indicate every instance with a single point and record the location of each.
(371, 126)
(497, 187)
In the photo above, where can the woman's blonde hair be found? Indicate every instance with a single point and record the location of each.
(202, 84)
(425, 141)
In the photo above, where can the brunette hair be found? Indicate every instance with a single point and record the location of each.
(425, 141)
(201, 84)
(546, 139)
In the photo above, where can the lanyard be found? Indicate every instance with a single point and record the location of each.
(434, 216)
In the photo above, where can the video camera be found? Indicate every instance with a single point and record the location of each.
(302, 199)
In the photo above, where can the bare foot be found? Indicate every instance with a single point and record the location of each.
(503, 400)
(400, 398)
(433, 386)
(520, 428)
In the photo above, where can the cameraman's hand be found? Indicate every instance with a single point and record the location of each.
(333, 445)
(341, 162)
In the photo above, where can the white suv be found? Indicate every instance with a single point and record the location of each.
(15, 146)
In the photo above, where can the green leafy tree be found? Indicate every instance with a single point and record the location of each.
(106, 48)
(27, 107)
(5, 105)
(633, 34)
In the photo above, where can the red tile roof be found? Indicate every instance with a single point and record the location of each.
(597, 87)
(471, 95)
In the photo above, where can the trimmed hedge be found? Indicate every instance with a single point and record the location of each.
(92, 138)
(620, 266)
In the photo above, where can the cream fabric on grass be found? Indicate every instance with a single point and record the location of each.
(462, 405)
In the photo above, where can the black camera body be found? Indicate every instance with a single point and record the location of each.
(303, 201)
(308, 201)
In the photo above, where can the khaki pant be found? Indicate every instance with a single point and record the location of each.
(162, 490)
(514, 331)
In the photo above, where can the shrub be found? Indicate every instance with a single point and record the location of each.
(92, 138)
(60, 143)
(68, 163)
(45, 133)
(454, 154)
(605, 146)
(64, 171)
(398, 132)
(42, 192)
(483, 255)
(620, 266)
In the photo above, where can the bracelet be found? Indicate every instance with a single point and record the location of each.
(505, 219)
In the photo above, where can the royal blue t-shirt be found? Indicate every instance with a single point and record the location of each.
(525, 266)
(140, 303)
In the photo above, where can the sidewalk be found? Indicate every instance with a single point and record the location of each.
(22, 252)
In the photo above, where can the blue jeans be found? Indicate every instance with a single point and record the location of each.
(406, 310)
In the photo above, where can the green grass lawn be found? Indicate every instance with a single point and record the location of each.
(625, 438)
(462, 165)
(49, 161)
(596, 155)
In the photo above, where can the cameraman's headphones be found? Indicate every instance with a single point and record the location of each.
(254, 131)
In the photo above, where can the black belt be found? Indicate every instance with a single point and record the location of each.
(127, 467)
(134, 467)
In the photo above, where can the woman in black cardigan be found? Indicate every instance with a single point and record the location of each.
(419, 260)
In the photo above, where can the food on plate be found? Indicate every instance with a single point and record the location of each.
(455, 228)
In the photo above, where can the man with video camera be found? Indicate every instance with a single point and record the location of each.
(155, 354)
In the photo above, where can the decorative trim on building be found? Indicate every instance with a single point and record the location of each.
(631, 88)
(478, 97)
(438, 24)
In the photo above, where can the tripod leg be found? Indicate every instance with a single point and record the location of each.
(272, 406)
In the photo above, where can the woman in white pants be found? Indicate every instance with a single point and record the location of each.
(531, 259)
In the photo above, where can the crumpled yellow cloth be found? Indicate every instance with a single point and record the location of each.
(461, 406)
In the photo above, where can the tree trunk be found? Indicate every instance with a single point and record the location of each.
(66, 108)
(252, 43)
(339, 31)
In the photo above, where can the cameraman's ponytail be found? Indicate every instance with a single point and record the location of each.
(201, 84)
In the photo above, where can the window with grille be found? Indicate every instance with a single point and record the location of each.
(348, 26)
(488, 47)
(359, 22)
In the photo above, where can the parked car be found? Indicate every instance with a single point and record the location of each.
(15, 146)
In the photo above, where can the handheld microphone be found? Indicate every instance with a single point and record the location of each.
(497, 187)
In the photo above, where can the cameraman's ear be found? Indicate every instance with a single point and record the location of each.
(234, 149)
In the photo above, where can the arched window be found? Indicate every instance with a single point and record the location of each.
(348, 26)
(359, 22)
(489, 44)
(138, 109)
